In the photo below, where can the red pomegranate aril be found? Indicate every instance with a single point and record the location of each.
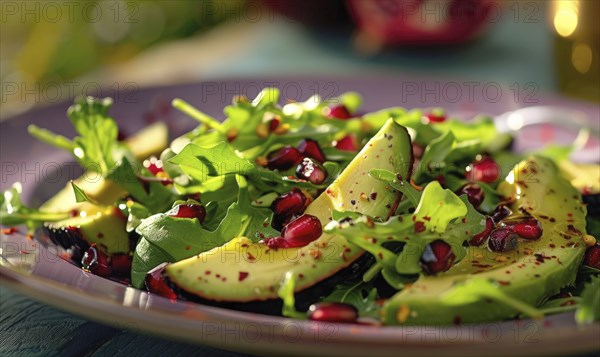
(155, 283)
(120, 264)
(436, 117)
(153, 165)
(479, 238)
(438, 257)
(310, 170)
(474, 193)
(347, 143)
(284, 158)
(96, 261)
(529, 229)
(333, 312)
(311, 148)
(189, 210)
(500, 213)
(592, 256)
(297, 233)
(273, 124)
(502, 240)
(289, 203)
(483, 169)
(339, 112)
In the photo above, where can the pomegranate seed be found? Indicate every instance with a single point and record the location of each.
(347, 143)
(120, 264)
(273, 124)
(592, 256)
(479, 238)
(289, 203)
(500, 213)
(312, 149)
(189, 210)
(333, 312)
(311, 171)
(155, 282)
(474, 193)
(96, 261)
(154, 165)
(502, 239)
(483, 169)
(284, 158)
(438, 257)
(339, 112)
(297, 233)
(529, 229)
(436, 117)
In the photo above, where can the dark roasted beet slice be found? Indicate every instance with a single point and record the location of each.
(333, 312)
(120, 264)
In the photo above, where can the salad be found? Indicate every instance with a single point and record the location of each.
(316, 210)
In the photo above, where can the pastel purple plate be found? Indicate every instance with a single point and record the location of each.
(36, 270)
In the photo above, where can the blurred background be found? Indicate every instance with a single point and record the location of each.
(51, 51)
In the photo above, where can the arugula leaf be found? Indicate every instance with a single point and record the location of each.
(360, 295)
(170, 239)
(257, 221)
(444, 216)
(13, 212)
(474, 289)
(94, 147)
(154, 196)
(286, 293)
(202, 163)
(80, 195)
(589, 309)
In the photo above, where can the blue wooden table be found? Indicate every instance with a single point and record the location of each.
(513, 51)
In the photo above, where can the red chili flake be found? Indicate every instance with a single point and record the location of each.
(373, 196)
(243, 275)
(250, 256)
(570, 214)
(74, 213)
(207, 272)
(503, 283)
(464, 220)
(9, 231)
(23, 252)
(552, 245)
(568, 303)
(187, 247)
(301, 276)
(347, 250)
(427, 218)
(457, 320)
(419, 227)
(218, 275)
(100, 235)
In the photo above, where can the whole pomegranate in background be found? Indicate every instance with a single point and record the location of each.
(419, 22)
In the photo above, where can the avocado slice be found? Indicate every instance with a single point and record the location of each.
(257, 271)
(533, 272)
(101, 225)
(148, 141)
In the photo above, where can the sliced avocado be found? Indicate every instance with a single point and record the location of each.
(148, 141)
(257, 271)
(101, 225)
(533, 272)
(585, 177)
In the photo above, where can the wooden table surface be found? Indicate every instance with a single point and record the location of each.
(29, 328)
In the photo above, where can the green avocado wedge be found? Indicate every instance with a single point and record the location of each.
(487, 286)
(256, 272)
